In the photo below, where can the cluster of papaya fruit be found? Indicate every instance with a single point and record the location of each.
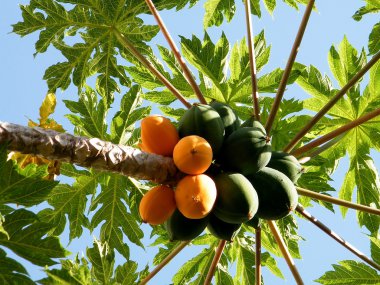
(232, 176)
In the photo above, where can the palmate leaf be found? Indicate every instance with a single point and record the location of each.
(12, 272)
(69, 202)
(22, 186)
(123, 122)
(88, 115)
(372, 6)
(27, 238)
(350, 272)
(92, 26)
(374, 40)
(110, 207)
(102, 259)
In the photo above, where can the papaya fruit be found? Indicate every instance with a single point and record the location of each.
(221, 229)
(202, 120)
(277, 193)
(237, 200)
(157, 205)
(246, 151)
(287, 164)
(181, 228)
(230, 120)
(158, 135)
(251, 122)
(195, 196)
(192, 155)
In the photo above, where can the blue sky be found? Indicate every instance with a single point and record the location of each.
(23, 91)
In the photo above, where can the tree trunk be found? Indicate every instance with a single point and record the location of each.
(89, 152)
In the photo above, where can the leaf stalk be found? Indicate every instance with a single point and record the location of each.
(129, 46)
(164, 262)
(331, 103)
(285, 252)
(289, 65)
(258, 256)
(336, 237)
(189, 77)
(252, 60)
(215, 261)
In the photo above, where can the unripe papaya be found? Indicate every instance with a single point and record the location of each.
(246, 150)
(181, 228)
(230, 119)
(251, 122)
(202, 120)
(287, 164)
(221, 229)
(236, 200)
(277, 193)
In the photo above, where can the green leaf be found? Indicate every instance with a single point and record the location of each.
(102, 259)
(216, 11)
(209, 58)
(126, 274)
(374, 40)
(123, 123)
(245, 262)
(118, 221)
(372, 6)
(194, 271)
(27, 238)
(375, 249)
(91, 118)
(69, 202)
(350, 272)
(12, 272)
(72, 272)
(22, 186)
(270, 5)
(345, 62)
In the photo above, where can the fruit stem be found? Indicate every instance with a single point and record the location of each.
(285, 252)
(340, 202)
(166, 260)
(331, 103)
(129, 46)
(289, 65)
(215, 261)
(336, 237)
(189, 77)
(252, 60)
(337, 132)
(258, 256)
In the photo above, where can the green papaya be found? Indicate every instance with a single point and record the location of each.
(277, 193)
(221, 229)
(254, 222)
(236, 200)
(181, 228)
(202, 120)
(287, 164)
(230, 120)
(246, 150)
(251, 122)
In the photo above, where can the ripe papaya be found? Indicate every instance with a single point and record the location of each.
(236, 200)
(277, 193)
(202, 120)
(157, 205)
(230, 120)
(158, 135)
(221, 229)
(195, 196)
(246, 150)
(192, 155)
(287, 164)
(181, 228)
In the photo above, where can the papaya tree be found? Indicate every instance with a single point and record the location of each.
(241, 164)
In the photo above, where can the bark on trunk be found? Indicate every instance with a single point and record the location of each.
(89, 152)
